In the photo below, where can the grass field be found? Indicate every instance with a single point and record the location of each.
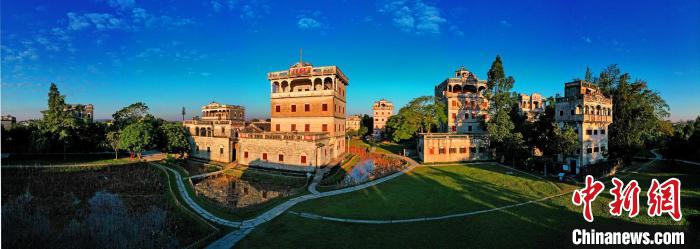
(434, 191)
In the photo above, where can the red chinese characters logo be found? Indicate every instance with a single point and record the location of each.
(662, 198)
(587, 195)
(302, 71)
(665, 198)
(626, 198)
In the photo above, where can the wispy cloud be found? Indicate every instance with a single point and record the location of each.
(586, 39)
(99, 21)
(505, 23)
(19, 55)
(247, 10)
(119, 4)
(310, 21)
(219, 5)
(414, 16)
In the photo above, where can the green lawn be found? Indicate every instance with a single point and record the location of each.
(434, 191)
(384, 147)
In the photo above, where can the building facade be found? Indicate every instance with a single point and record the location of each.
(213, 137)
(462, 138)
(353, 123)
(382, 110)
(589, 113)
(82, 111)
(531, 105)
(8, 121)
(307, 106)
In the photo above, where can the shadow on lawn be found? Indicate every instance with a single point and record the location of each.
(543, 224)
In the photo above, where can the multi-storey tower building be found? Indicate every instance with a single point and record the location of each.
(8, 121)
(531, 105)
(307, 104)
(382, 109)
(353, 123)
(82, 111)
(214, 135)
(588, 112)
(462, 138)
(464, 100)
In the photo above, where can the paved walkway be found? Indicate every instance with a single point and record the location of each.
(188, 200)
(246, 226)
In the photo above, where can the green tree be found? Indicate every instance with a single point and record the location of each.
(422, 114)
(638, 112)
(58, 123)
(367, 122)
(183, 113)
(363, 130)
(589, 75)
(129, 115)
(564, 141)
(112, 140)
(176, 138)
(136, 138)
(500, 125)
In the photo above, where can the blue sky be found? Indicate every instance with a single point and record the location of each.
(171, 54)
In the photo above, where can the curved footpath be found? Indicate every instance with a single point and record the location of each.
(246, 226)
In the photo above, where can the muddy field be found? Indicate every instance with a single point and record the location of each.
(86, 208)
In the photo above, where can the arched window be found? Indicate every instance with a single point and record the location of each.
(318, 84)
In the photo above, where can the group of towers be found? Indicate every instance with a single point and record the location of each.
(308, 122)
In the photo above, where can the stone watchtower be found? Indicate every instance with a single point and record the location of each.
(588, 112)
(307, 105)
(464, 100)
(214, 135)
(462, 138)
(383, 109)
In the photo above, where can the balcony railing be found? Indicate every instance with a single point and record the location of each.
(597, 118)
(213, 122)
(312, 93)
(316, 71)
(299, 136)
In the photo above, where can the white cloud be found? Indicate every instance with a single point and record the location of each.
(308, 23)
(506, 23)
(219, 5)
(414, 16)
(14, 55)
(100, 21)
(455, 30)
(586, 39)
(121, 4)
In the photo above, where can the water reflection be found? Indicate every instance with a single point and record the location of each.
(236, 193)
(360, 173)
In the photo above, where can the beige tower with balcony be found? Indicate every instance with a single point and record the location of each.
(531, 106)
(307, 105)
(382, 110)
(353, 123)
(589, 113)
(462, 138)
(213, 136)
